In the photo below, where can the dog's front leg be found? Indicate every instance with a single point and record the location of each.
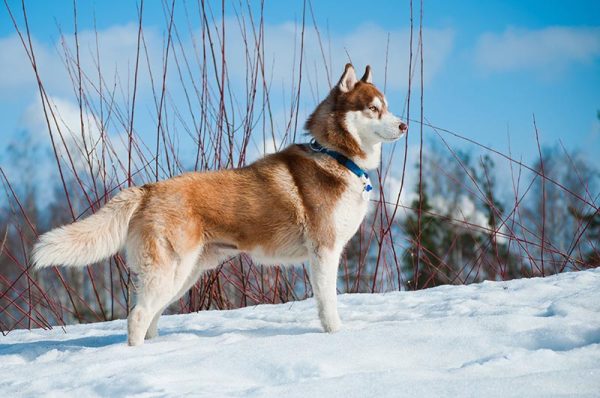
(323, 277)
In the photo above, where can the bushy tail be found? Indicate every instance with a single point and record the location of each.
(92, 239)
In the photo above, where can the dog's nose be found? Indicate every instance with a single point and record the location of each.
(403, 127)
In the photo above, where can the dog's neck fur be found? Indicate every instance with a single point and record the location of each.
(372, 158)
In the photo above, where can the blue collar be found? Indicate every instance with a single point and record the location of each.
(344, 161)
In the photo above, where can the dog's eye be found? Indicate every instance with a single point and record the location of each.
(373, 108)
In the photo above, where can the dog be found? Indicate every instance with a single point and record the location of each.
(301, 204)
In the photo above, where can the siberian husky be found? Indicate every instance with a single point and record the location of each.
(303, 203)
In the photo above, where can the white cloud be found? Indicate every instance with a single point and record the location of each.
(69, 124)
(365, 45)
(391, 186)
(41, 163)
(15, 69)
(393, 181)
(117, 51)
(545, 50)
(464, 210)
(117, 46)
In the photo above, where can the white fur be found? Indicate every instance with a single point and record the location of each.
(373, 130)
(377, 103)
(349, 211)
(286, 257)
(91, 239)
(155, 294)
(348, 80)
(323, 277)
(347, 217)
(370, 132)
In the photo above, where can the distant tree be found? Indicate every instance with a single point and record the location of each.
(591, 243)
(559, 211)
(357, 263)
(500, 262)
(423, 260)
(462, 233)
(18, 211)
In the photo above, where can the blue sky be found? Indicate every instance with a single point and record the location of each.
(489, 66)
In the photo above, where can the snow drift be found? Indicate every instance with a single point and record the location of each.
(536, 337)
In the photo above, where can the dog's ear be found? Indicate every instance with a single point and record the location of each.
(368, 76)
(348, 79)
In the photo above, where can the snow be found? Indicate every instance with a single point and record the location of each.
(537, 337)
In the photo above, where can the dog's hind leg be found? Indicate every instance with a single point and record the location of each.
(189, 282)
(156, 267)
(154, 291)
(197, 267)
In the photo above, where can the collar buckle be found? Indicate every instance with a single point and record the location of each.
(316, 147)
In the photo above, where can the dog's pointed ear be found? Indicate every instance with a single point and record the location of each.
(348, 79)
(368, 76)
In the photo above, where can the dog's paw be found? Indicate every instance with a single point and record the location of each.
(331, 325)
(133, 342)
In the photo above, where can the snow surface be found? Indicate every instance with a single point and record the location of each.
(524, 338)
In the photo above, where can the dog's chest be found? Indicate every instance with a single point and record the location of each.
(349, 212)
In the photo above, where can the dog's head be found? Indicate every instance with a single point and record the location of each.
(355, 116)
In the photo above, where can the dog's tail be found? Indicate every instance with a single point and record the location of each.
(92, 239)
